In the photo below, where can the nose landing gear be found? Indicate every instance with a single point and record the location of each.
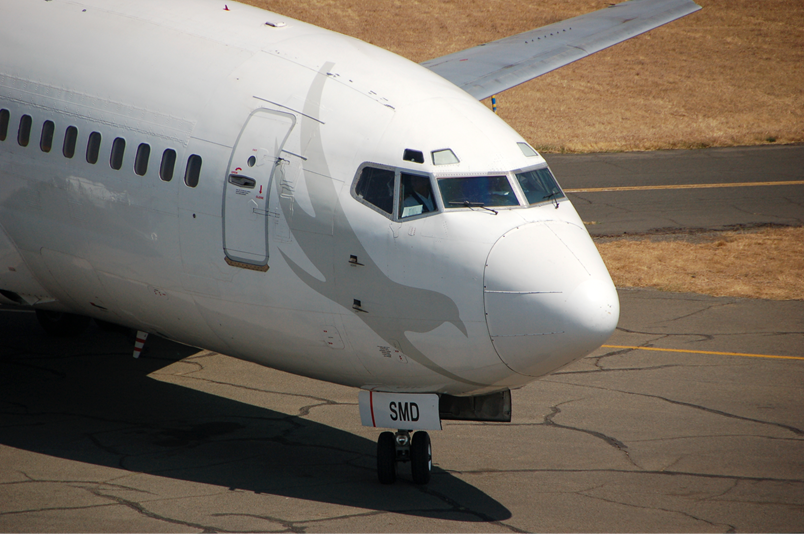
(400, 448)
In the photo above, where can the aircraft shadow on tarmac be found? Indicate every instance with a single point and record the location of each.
(86, 399)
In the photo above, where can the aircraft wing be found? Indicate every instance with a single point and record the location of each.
(493, 67)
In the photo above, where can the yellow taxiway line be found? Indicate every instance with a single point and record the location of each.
(706, 352)
(682, 186)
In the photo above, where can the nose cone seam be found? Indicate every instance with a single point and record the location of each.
(548, 296)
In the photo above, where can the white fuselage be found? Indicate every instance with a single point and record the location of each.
(461, 300)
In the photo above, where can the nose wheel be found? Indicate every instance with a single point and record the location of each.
(400, 448)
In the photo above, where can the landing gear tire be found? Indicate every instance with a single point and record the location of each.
(59, 324)
(386, 458)
(421, 458)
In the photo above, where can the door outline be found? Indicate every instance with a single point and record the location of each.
(247, 187)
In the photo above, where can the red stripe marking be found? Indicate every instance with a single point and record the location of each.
(371, 403)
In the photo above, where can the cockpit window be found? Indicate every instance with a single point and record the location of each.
(396, 193)
(539, 185)
(376, 186)
(415, 195)
(444, 156)
(477, 191)
(416, 156)
(527, 150)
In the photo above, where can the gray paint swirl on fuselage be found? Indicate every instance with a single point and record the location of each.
(402, 308)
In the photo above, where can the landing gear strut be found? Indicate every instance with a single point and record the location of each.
(400, 448)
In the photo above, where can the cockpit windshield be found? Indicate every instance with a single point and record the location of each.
(477, 191)
(539, 185)
(402, 194)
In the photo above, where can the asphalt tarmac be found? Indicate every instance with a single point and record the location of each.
(689, 419)
(725, 194)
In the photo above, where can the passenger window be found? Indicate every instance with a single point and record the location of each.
(167, 165)
(4, 118)
(118, 150)
(193, 171)
(93, 147)
(539, 185)
(477, 191)
(376, 187)
(415, 195)
(24, 132)
(70, 138)
(141, 161)
(46, 140)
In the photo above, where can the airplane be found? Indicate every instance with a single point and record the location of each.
(238, 181)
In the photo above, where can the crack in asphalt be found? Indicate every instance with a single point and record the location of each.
(793, 429)
(101, 490)
(731, 528)
(92, 487)
(549, 421)
(54, 509)
(619, 369)
(555, 410)
(646, 472)
(726, 491)
(574, 197)
(142, 510)
(294, 526)
(703, 436)
(190, 361)
(303, 411)
(459, 508)
(58, 374)
(714, 411)
(664, 335)
(598, 362)
(702, 310)
(21, 406)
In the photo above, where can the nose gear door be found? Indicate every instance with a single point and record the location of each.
(247, 188)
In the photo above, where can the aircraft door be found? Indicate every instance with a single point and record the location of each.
(254, 161)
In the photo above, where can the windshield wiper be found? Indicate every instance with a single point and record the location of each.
(467, 204)
(554, 196)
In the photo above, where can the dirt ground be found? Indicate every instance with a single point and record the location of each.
(729, 74)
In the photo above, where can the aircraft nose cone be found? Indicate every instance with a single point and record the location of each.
(549, 298)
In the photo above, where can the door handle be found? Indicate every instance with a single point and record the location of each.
(242, 181)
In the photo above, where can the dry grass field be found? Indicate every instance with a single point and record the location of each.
(729, 74)
(766, 264)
